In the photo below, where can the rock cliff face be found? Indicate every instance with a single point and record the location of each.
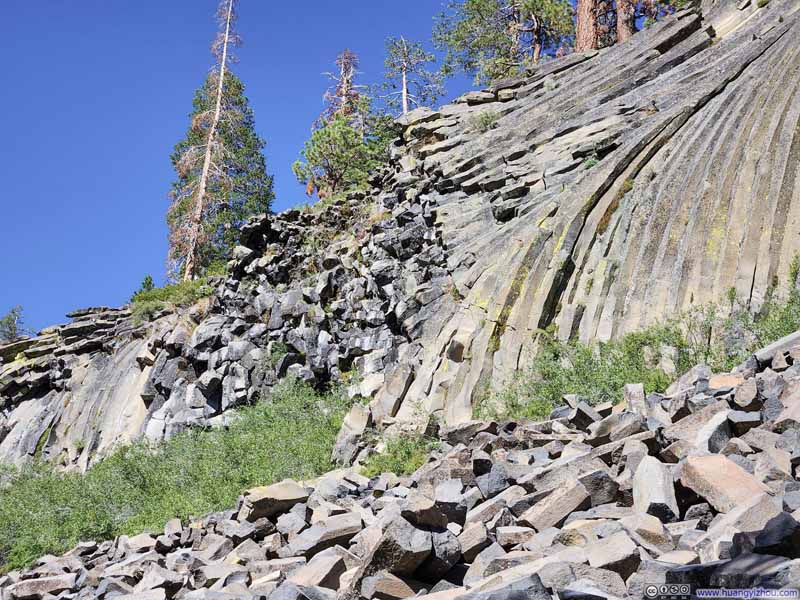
(600, 193)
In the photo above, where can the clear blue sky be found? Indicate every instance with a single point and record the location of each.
(96, 94)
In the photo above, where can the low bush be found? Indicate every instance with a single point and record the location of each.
(483, 121)
(402, 456)
(184, 293)
(721, 337)
(596, 372)
(140, 487)
(149, 301)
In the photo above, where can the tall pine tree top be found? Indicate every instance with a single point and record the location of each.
(238, 186)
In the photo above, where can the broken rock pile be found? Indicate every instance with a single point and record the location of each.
(695, 487)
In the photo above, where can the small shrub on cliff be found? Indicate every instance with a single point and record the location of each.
(148, 302)
(483, 121)
(140, 487)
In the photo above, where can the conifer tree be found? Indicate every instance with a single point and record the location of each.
(12, 326)
(348, 140)
(408, 82)
(493, 39)
(222, 176)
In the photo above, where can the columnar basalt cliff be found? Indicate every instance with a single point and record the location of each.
(599, 194)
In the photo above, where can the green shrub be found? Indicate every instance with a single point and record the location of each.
(140, 487)
(597, 373)
(277, 351)
(719, 337)
(591, 161)
(483, 121)
(402, 456)
(147, 310)
(184, 293)
(146, 303)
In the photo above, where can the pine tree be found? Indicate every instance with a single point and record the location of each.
(586, 36)
(408, 82)
(603, 23)
(222, 176)
(12, 326)
(493, 39)
(348, 140)
(338, 157)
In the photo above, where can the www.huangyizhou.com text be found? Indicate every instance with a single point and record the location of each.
(684, 591)
(747, 593)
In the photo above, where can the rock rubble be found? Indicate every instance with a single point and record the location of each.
(596, 502)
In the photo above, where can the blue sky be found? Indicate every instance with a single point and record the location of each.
(98, 91)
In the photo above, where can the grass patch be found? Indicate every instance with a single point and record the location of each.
(402, 456)
(140, 487)
(148, 303)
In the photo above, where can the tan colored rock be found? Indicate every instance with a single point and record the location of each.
(751, 515)
(484, 511)
(616, 553)
(723, 483)
(790, 415)
(725, 380)
(385, 586)
(473, 539)
(271, 500)
(338, 530)
(38, 588)
(324, 570)
(513, 535)
(680, 557)
(555, 508)
(650, 531)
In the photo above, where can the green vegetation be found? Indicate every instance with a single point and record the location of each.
(277, 351)
(762, 3)
(591, 162)
(12, 326)
(402, 456)
(721, 337)
(341, 153)
(495, 39)
(147, 286)
(348, 141)
(483, 121)
(146, 303)
(239, 188)
(139, 487)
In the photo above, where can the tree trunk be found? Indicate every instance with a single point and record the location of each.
(405, 91)
(626, 20)
(197, 218)
(586, 26)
